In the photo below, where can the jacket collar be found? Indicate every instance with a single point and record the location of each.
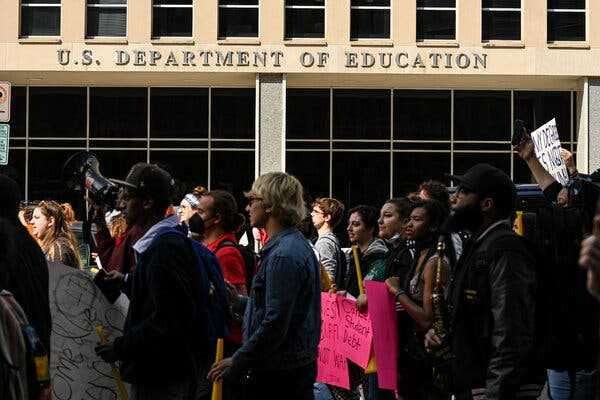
(492, 227)
(144, 242)
(274, 241)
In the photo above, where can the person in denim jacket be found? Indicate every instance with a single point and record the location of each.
(282, 321)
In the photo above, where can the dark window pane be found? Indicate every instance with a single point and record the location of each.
(567, 4)
(15, 168)
(45, 167)
(537, 108)
(305, 2)
(501, 4)
(353, 173)
(304, 23)
(188, 168)
(238, 22)
(411, 169)
(171, 22)
(568, 26)
(118, 113)
(307, 114)
(361, 114)
(233, 113)
(482, 115)
(370, 3)
(464, 161)
(436, 24)
(501, 25)
(40, 21)
(422, 115)
(237, 178)
(18, 111)
(370, 24)
(303, 164)
(436, 3)
(116, 163)
(106, 21)
(179, 113)
(57, 112)
(522, 173)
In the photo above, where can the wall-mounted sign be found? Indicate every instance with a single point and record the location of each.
(4, 138)
(4, 101)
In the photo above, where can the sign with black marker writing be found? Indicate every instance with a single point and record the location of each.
(547, 149)
(77, 307)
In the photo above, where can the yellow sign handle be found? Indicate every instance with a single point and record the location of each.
(217, 389)
(115, 371)
(518, 224)
(359, 277)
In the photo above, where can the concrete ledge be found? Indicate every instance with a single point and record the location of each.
(305, 42)
(438, 43)
(172, 40)
(372, 43)
(504, 44)
(106, 40)
(569, 45)
(40, 40)
(239, 41)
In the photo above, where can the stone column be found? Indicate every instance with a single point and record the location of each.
(270, 123)
(593, 124)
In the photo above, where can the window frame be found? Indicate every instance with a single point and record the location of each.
(154, 5)
(455, 9)
(391, 20)
(297, 7)
(239, 6)
(27, 4)
(564, 11)
(503, 9)
(125, 6)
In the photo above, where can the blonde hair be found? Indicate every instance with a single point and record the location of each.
(60, 229)
(282, 193)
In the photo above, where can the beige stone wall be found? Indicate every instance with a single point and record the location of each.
(508, 64)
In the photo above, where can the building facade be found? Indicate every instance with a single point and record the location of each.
(361, 99)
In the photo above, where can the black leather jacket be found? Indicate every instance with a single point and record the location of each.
(491, 296)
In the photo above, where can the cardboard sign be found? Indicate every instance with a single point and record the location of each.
(4, 101)
(332, 365)
(547, 149)
(4, 143)
(356, 332)
(382, 312)
(77, 306)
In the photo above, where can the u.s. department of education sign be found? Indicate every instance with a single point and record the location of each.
(4, 137)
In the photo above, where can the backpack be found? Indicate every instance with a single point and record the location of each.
(341, 265)
(23, 359)
(250, 260)
(215, 309)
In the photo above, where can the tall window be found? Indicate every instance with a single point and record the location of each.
(566, 20)
(370, 19)
(40, 17)
(238, 18)
(501, 20)
(172, 18)
(106, 18)
(304, 18)
(436, 19)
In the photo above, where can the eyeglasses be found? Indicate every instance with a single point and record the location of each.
(316, 211)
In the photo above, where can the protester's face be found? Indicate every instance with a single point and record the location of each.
(423, 194)
(358, 233)
(466, 211)
(205, 210)
(131, 207)
(41, 223)
(317, 216)
(418, 225)
(185, 211)
(390, 222)
(257, 212)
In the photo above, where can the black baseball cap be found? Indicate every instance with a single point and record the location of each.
(148, 179)
(487, 180)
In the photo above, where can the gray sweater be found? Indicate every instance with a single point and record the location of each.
(328, 247)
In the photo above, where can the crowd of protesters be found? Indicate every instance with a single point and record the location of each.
(516, 315)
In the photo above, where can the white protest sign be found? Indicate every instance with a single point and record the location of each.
(547, 150)
(77, 306)
(4, 101)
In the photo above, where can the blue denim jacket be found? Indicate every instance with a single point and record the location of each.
(282, 322)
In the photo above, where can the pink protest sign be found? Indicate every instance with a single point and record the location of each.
(382, 312)
(356, 334)
(332, 365)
